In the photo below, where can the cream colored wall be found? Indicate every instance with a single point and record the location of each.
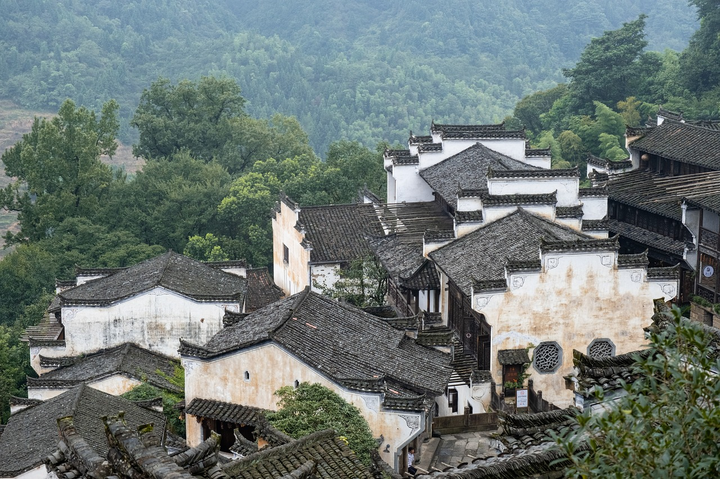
(155, 320)
(272, 367)
(115, 385)
(577, 298)
(292, 276)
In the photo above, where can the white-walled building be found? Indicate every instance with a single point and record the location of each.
(31, 434)
(310, 244)
(311, 338)
(113, 371)
(152, 304)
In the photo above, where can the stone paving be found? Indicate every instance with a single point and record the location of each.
(455, 449)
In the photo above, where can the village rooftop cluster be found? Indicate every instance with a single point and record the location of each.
(503, 275)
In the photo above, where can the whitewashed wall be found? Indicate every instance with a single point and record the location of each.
(115, 385)
(155, 320)
(409, 185)
(594, 207)
(567, 188)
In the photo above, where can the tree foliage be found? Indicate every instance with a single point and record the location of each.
(170, 400)
(199, 117)
(359, 70)
(668, 424)
(312, 407)
(608, 67)
(58, 169)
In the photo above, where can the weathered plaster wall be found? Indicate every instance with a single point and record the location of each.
(493, 213)
(473, 203)
(572, 223)
(512, 147)
(577, 297)
(539, 161)
(271, 367)
(324, 276)
(115, 385)
(155, 319)
(292, 276)
(47, 351)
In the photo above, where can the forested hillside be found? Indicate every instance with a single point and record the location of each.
(367, 70)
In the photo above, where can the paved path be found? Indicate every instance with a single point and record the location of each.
(455, 449)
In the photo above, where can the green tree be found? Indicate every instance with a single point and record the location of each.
(668, 424)
(25, 274)
(700, 62)
(529, 109)
(312, 407)
(571, 147)
(359, 164)
(205, 248)
(145, 391)
(608, 67)
(198, 117)
(280, 137)
(169, 201)
(58, 169)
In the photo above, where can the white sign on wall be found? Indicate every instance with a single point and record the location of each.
(521, 397)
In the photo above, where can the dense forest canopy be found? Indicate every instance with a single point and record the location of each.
(366, 70)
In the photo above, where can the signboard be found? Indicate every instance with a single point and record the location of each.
(708, 271)
(521, 397)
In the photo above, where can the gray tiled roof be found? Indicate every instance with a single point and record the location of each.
(31, 434)
(261, 290)
(646, 191)
(222, 411)
(513, 356)
(171, 271)
(337, 232)
(647, 238)
(683, 142)
(341, 341)
(711, 203)
(475, 131)
(530, 451)
(127, 359)
(468, 170)
(482, 254)
(608, 374)
(322, 451)
(398, 256)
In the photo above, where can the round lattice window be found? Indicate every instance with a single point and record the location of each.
(547, 357)
(601, 348)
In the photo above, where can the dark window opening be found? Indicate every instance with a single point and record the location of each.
(286, 254)
(453, 400)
